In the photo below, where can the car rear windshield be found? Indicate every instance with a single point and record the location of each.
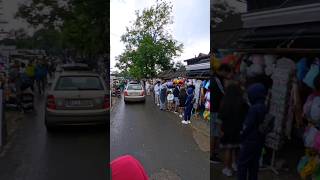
(79, 83)
(134, 87)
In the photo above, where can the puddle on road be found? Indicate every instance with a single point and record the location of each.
(202, 140)
(165, 174)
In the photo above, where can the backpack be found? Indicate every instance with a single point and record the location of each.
(267, 125)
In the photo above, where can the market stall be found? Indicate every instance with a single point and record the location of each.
(289, 75)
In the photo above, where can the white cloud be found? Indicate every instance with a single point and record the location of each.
(191, 25)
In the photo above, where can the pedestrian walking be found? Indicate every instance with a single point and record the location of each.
(176, 94)
(170, 99)
(157, 93)
(188, 106)
(163, 96)
(252, 140)
(40, 77)
(15, 78)
(218, 83)
(232, 114)
(30, 71)
(182, 101)
(148, 88)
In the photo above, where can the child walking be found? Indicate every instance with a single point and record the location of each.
(170, 98)
(182, 101)
(188, 106)
(252, 140)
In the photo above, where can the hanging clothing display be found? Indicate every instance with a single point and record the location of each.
(278, 106)
(197, 93)
(312, 73)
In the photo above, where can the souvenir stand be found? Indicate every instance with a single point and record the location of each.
(290, 71)
(201, 81)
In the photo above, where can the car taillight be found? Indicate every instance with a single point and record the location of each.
(142, 93)
(126, 93)
(51, 103)
(106, 103)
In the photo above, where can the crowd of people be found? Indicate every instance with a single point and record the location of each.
(173, 97)
(26, 79)
(238, 111)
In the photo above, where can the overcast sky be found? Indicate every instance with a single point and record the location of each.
(191, 24)
(10, 7)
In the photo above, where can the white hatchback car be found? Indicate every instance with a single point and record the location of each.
(134, 93)
(77, 98)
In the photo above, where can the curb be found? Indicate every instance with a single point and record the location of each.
(16, 119)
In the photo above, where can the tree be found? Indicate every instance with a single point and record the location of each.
(221, 10)
(79, 25)
(149, 47)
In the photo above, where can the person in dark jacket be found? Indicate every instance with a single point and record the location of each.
(182, 100)
(163, 96)
(232, 113)
(252, 140)
(217, 84)
(41, 76)
(188, 106)
(176, 93)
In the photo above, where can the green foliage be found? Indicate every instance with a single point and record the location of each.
(79, 25)
(149, 47)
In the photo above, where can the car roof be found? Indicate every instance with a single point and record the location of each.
(78, 73)
(75, 67)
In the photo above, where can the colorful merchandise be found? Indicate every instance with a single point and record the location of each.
(302, 68)
(312, 73)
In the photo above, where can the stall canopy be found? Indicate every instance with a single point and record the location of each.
(198, 67)
(172, 73)
(293, 25)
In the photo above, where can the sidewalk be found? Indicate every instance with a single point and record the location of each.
(13, 120)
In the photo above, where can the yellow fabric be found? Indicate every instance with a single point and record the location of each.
(206, 115)
(30, 71)
(309, 168)
(215, 63)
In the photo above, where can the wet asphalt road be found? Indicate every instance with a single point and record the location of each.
(164, 146)
(70, 153)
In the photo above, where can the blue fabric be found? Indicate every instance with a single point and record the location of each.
(204, 83)
(257, 111)
(41, 72)
(302, 68)
(252, 140)
(312, 73)
(163, 95)
(207, 85)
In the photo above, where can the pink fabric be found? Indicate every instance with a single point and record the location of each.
(127, 168)
(317, 142)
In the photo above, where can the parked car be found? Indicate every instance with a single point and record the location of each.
(77, 98)
(134, 93)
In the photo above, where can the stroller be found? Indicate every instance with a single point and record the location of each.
(27, 100)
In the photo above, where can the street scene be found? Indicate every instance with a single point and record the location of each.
(160, 107)
(265, 90)
(55, 94)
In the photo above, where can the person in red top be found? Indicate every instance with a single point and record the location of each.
(127, 168)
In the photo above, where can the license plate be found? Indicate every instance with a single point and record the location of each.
(80, 103)
(135, 94)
